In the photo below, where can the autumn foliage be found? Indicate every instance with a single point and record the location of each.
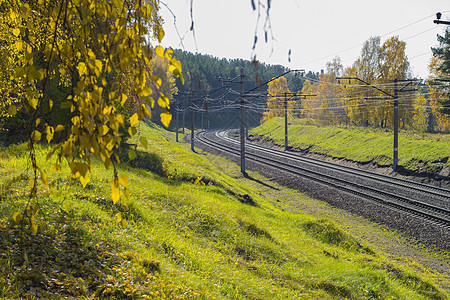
(362, 94)
(90, 63)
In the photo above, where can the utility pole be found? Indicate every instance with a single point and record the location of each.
(285, 123)
(192, 122)
(395, 97)
(246, 124)
(395, 163)
(202, 119)
(242, 133)
(176, 123)
(184, 108)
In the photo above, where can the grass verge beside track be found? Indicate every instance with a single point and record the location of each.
(197, 229)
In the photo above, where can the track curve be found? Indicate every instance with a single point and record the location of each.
(428, 204)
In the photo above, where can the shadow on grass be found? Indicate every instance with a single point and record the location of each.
(63, 263)
(148, 161)
(260, 182)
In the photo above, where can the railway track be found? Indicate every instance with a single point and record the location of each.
(419, 200)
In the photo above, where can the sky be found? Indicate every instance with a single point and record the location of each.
(315, 31)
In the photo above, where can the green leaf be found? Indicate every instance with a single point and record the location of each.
(44, 178)
(144, 142)
(132, 131)
(131, 154)
(127, 193)
(12, 110)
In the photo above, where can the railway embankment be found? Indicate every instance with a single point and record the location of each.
(422, 157)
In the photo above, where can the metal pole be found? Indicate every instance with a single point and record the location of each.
(285, 123)
(246, 115)
(176, 124)
(395, 163)
(192, 123)
(184, 108)
(242, 133)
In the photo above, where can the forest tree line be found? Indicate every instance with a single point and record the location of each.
(325, 97)
(362, 94)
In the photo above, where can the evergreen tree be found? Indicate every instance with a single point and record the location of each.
(443, 54)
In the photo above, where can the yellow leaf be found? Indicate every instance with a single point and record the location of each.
(33, 225)
(50, 104)
(160, 34)
(56, 168)
(44, 178)
(12, 110)
(123, 99)
(124, 223)
(17, 217)
(50, 131)
(125, 203)
(59, 128)
(119, 217)
(163, 101)
(134, 119)
(103, 130)
(160, 51)
(16, 31)
(82, 68)
(123, 179)
(166, 117)
(115, 194)
(36, 135)
(84, 180)
(157, 81)
(146, 91)
(33, 102)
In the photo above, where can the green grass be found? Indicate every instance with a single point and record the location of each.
(193, 233)
(416, 151)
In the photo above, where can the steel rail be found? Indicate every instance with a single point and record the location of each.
(437, 191)
(442, 218)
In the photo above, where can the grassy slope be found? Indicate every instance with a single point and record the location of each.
(193, 232)
(359, 144)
